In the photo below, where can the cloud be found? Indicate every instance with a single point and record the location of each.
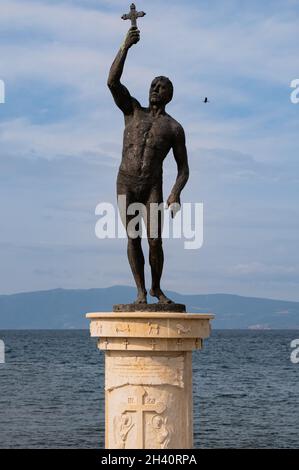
(257, 268)
(68, 138)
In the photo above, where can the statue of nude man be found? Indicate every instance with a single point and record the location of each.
(149, 135)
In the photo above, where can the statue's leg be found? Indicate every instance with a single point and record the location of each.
(136, 260)
(154, 225)
(134, 249)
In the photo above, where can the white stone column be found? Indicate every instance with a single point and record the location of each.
(148, 376)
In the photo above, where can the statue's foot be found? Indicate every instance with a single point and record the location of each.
(141, 298)
(162, 299)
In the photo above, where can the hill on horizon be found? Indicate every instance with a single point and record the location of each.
(66, 309)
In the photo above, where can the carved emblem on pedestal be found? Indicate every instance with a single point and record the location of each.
(122, 328)
(138, 404)
(153, 328)
(183, 330)
(122, 426)
(163, 430)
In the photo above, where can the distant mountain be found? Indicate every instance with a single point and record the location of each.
(64, 309)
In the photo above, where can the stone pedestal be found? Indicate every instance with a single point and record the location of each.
(148, 376)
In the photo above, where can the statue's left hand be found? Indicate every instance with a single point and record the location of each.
(174, 204)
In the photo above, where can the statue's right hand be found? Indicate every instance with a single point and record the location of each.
(133, 36)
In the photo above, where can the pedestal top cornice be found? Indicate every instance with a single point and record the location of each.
(162, 315)
(156, 331)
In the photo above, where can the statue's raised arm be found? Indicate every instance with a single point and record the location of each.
(120, 93)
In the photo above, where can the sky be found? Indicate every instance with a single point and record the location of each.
(61, 140)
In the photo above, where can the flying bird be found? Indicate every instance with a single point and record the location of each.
(206, 100)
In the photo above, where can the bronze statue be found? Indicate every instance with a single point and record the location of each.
(149, 135)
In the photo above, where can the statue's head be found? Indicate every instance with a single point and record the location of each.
(161, 91)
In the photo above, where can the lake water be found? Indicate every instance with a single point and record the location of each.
(246, 391)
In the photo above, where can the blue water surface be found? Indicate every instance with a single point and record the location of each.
(245, 388)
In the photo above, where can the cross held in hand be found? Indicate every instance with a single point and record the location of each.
(133, 15)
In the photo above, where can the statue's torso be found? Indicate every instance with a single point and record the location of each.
(147, 141)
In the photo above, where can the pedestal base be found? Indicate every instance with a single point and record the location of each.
(148, 376)
(146, 398)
